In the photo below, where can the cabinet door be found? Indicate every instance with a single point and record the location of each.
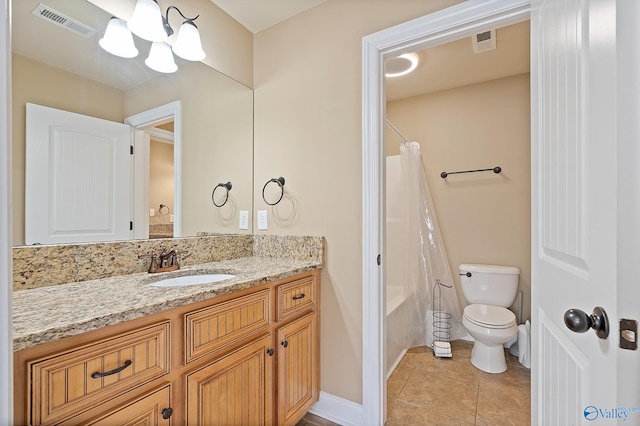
(153, 409)
(234, 390)
(298, 371)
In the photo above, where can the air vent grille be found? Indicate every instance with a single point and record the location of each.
(483, 36)
(484, 41)
(60, 19)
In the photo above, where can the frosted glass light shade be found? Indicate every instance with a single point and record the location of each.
(118, 40)
(188, 45)
(146, 21)
(160, 58)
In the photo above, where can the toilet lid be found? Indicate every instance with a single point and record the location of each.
(490, 316)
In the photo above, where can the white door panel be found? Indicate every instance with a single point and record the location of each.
(78, 178)
(574, 216)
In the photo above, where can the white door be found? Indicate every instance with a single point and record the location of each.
(575, 219)
(78, 179)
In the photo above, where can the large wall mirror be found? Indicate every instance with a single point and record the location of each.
(62, 69)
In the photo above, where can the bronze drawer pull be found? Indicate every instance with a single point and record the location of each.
(97, 374)
(298, 297)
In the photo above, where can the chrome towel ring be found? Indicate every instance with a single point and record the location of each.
(280, 182)
(227, 186)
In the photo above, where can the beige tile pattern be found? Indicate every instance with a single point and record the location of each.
(424, 390)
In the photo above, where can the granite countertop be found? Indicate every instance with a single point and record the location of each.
(46, 314)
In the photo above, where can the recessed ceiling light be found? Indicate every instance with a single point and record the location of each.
(401, 65)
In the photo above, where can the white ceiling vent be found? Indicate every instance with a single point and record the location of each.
(484, 41)
(55, 17)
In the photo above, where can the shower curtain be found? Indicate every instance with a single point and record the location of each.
(436, 314)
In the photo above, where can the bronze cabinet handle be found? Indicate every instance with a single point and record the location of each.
(97, 374)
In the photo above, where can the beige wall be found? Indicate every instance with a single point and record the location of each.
(41, 84)
(307, 81)
(484, 217)
(160, 180)
(217, 142)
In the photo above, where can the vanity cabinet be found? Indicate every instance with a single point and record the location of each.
(153, 408)
(249, 357)
(235, 389)
(297, 369)
(66, 383)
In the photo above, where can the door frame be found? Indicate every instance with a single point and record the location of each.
(437, 28)
(140, 121)
(6, 230)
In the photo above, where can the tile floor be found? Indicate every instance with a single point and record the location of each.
(425, 390)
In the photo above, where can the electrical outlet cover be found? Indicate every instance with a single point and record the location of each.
(244, 219)
(262, 220)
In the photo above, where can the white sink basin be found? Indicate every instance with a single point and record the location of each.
(187, 280)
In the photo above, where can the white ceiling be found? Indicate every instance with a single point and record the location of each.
(257, 15)
(454, 64)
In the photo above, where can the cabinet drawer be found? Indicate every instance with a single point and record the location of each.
(150, 409)
(72, 382)
(296, 296)
(213, 328)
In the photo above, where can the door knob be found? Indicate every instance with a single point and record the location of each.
(578, 321)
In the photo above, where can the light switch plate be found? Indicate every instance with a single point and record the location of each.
(262, 220)
(244, 219)
(152, 212)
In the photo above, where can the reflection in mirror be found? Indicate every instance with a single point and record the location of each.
(58, 68)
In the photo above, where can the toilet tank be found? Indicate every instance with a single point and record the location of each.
(489, 284)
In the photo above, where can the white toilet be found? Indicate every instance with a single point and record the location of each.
(489, 289)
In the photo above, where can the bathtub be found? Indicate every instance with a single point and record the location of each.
(397, 319)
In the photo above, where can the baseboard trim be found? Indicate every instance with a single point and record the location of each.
(338, 410)
(395, 363)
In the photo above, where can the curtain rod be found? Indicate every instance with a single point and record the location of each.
(396, 131)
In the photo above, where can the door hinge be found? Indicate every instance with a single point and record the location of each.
(131, 149)
(130, 225)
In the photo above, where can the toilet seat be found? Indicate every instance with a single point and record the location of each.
(489, 316)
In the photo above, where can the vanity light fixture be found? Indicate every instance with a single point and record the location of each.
(160, 58)
(401, 65)
(148, 23)
(118, 40)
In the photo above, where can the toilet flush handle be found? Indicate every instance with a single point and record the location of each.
(579, 322)
(468, 274)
